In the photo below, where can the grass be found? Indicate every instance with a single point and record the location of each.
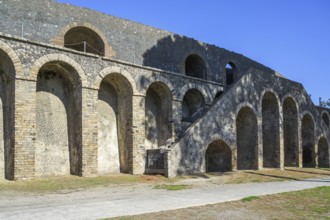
(53, 184)
(268, 175)
(304, 204)
(250, 198)
(172, 187)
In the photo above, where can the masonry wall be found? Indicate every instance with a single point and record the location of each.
(224, 122)
(47, 21)
(70, 112)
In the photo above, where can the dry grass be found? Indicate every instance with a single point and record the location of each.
(269, 175)
(53, 184)
(304, 204)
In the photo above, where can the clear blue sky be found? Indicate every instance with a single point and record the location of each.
(289, 36)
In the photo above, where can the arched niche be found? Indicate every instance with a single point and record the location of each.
(193, 105)
(58, 120)
(247, 139)
(7, 89)
(195, 66)
(158, 116)
(270, 131)
(290, 132)
(114, 124)
(323, 153)
(218, 157)
(308, 142)
(84, 39)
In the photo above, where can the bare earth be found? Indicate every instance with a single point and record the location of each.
(111, 200)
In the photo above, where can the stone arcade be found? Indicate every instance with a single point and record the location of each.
(85, 93)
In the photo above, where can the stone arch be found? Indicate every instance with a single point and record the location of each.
(270, 130)
(58, 119)
(195, 66)
(115, 110)
(16, 62)
(114, 69)
(325, 118)
(308, 140)
(193, 105)
(231, 72)
(290, 132)
(323, 153)
(59, 40)
(9, 65)
(247, 139)
(201, 89)
(218, 157)
(158, 116)
(156, 78)
(79, 78)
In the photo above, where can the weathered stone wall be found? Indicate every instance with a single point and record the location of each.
(221, 123)
(68, 111)
(47, 21)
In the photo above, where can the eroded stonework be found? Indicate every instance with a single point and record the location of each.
(84, 93)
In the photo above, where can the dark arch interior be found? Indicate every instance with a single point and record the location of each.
(158, 115)
(231, 70)
(195, 66)
(325, 119)
(192, 105)
(218, 157)
(247, 139)
(270, 131)
(58, 123)
(116, 92)
(323, 153)
(290, 130)
(7, 87)
(307, 133)
(85, 40)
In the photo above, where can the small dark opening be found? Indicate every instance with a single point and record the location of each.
(230, 73)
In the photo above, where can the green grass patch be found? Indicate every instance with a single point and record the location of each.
(172, 187)
(250, 198)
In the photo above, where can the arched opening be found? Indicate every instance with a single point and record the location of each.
(7, 88)
(247, 139)
(307, 134)
(270, 131)
(323, 153)
(158, 116)
(85, 40)
(325, 119)
(290, 129)
(58, 121)
(192, 105)
(195, 66)
(217, 96)
(231, 70)
(218, 157)
(114, 125)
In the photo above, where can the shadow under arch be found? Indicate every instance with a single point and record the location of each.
(9, 65)
(58, 119)
(115, 111)
(59, 40)
(158, 116)
(218, 157)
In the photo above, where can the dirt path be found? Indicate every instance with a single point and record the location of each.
(102, 202)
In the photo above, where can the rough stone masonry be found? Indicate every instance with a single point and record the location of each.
(85, 93)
